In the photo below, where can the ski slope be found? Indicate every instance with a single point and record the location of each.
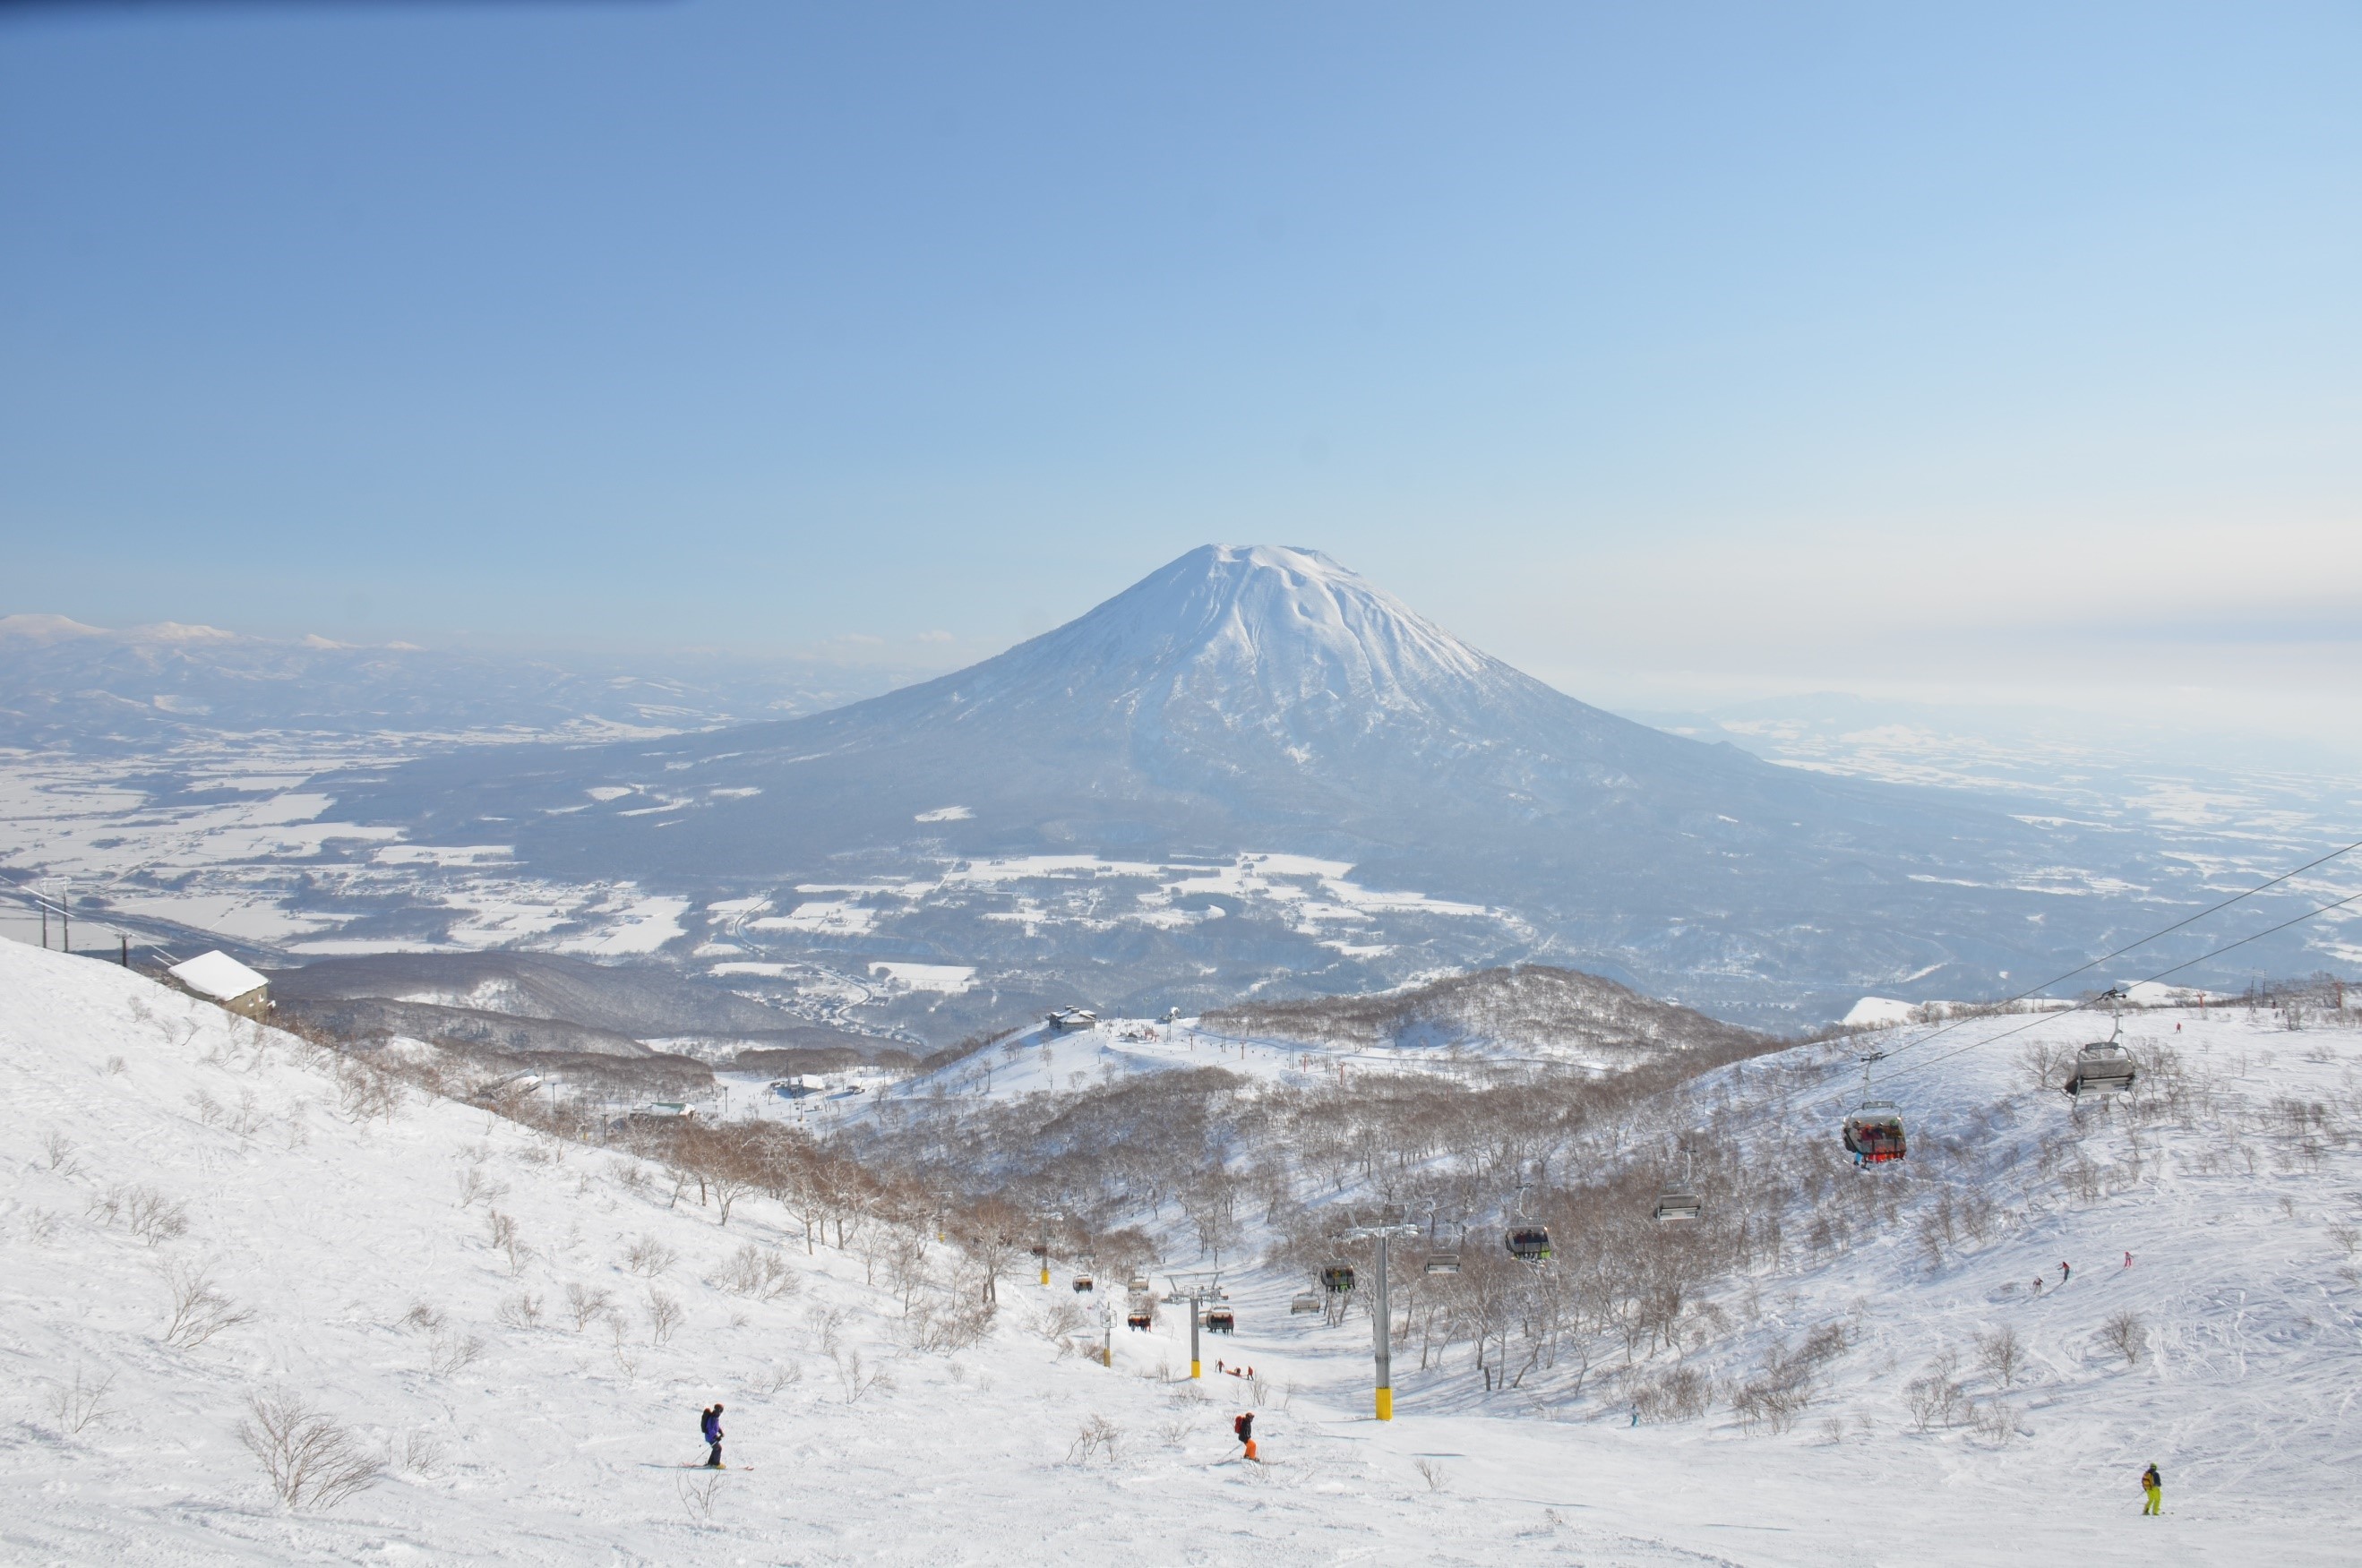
(332, 1223)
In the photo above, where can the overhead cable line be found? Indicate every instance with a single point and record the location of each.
(2084, 1006)
(2153, 936)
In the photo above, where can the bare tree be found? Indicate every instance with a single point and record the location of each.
(312, 1460)
(80, 1403)
(199, 1311)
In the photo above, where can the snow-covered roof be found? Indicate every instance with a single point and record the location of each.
(217, 975)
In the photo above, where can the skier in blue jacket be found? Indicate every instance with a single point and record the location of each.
(710, 1425)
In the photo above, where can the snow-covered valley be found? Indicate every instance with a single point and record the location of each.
(522, 1329)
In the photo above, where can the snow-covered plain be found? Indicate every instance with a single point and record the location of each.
(378, 1293)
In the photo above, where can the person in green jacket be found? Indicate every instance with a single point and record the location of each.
(2154, 1484)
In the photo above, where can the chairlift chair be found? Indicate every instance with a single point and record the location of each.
(1529, 1243)
(1221, 1320)
(1443, 1259)
(1338, 1277)
(1084, 1285)
(2102, 1067)
(1676, 1203)
(1305, 1301)
(1873, 1134)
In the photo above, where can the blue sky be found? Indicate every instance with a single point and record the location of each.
(1661, 348)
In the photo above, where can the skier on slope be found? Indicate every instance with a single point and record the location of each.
(2154, 1485)
(710, 1423)
(2064, 1271)
(1245, 1427)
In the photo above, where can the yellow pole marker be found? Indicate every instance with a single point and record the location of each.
(1385, 1404)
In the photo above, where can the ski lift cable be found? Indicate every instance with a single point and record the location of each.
(2153, 936)
(2084, 1006)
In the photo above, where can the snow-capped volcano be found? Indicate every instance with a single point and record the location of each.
(1258, 630)
(1263, 707)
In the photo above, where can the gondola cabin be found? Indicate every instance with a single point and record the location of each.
(1529, 1243)
(1219, 1321)
(2101, 1067)
(1677, 1204)
(1873, 1134)
(1338, 1277)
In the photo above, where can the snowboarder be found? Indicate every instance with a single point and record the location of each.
(2154, 1484)
(2129, 1260)
(2064, 1271)
(710, 1423)
(1245, 1427)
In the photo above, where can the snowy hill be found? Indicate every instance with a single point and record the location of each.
(1107, 791)
(412, 1270)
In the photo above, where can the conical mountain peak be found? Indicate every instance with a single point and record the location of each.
(1240, 636)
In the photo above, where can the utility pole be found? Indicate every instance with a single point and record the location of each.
(1197, 1316)
(1382, 1314)
(65, 920)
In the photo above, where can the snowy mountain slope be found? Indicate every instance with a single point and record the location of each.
(331, 1222)
(2236, 1190)
(1245, 701)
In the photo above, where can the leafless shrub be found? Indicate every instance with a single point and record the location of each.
(697, 1496)
(41, 1225)
(1176, 1430)
(116, 1067)
(422, 1454)
(1833, 1429)
(773, 1378)
(665, 1316)
(365, 1091)
(1936, 1395)
(57, 1153)
(824, 1322)
(209, 1109)
(152, 1216)
(1060, 1322)
(505, 1237)
(422, 1316)
(199, 1311)
(312, 1460)
(2346, 1237)
(248, 1116)
(521, 1310)
(1680, 1395)
(629, 1175)
(474, 1183)
(756, 1272)
(648, 1256)
(79, 1404)
(1096, 1436)
(1994, 1422)
(1431, 1471)
(939, 1324)
(586, 1304)
(2002, 1354)
(453, 1350)
(2127, 1336)
(856, 1380)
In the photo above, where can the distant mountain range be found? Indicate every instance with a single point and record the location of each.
(1255, 773)
(62, 682)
